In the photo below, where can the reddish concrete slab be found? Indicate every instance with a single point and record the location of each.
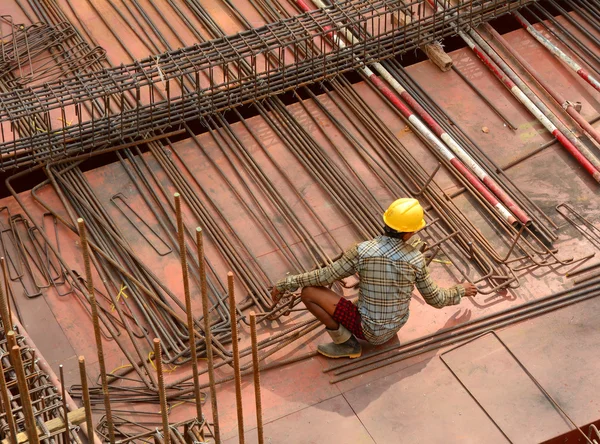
(409, 401)
(329, 421)
(421, 403)
(414, 400)
(284, 391)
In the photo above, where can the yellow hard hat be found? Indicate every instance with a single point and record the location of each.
(405, 215)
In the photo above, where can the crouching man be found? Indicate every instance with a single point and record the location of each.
(389, 269)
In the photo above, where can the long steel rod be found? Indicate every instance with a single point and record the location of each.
(67, 431)
(96, 324)
(565, 104)
(206, 320)
(494, 320)
(256, 373)
(228, 50)
(557, 52)
(164, 408)
(30, 424)
(188, 307)
(89, 421)
(236, 357)
(449, 141)
(7, 406)
(531, 106)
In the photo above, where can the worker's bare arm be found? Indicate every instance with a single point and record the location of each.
(342, 268)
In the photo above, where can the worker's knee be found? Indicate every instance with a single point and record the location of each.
(307, 293)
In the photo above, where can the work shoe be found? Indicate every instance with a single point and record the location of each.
(344, 344)
(349, 349)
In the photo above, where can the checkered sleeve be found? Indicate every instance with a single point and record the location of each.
(343, 267)
(435, 296)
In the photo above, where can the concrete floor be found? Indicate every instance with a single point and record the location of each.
(417, 400)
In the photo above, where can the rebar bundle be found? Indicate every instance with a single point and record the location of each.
(33, 408)
(120, 107)
(208, 77)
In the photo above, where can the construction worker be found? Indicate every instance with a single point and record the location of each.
(388, 268)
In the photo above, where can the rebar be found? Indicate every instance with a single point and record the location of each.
(527, 372)
(67, 432)
(6, 405)
(257, 84)
(188, 308)
(256, 373)
(164, 409)
(99, 348)
(236, 357)
(208, 342)
(86, 397)
(30, 425)
(463, 331)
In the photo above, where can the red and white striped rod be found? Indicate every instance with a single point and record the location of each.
(520, 95)
(439, 146)
(458, 150)
(562, 128)
(558, 53)
(558, 97)
(431, 137)
(533, 109)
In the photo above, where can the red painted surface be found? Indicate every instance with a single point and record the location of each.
(588, 78)
(425, 116)
(577, 155)
(561, 138)
(415, 400)
(494, 68)
(492, 185)
(390, 95)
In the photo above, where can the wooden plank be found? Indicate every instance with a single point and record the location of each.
(76, 417)
(434, 51)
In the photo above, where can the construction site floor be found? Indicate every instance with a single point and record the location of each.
(418, 399)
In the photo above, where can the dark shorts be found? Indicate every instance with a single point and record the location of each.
(346, 313)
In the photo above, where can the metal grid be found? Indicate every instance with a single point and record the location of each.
(217, 75)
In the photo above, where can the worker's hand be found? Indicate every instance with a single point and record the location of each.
(470, 289)
(275, 294)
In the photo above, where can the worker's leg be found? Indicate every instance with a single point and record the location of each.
(321, 302)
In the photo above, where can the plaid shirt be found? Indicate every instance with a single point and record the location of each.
(389, 269)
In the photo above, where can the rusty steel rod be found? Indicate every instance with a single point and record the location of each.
(256, 373)
(308, 148)
(557, 96)
(89, 421)
(557, 52)
(6, 295)
(4, 309)
(11, 339)
(236, 357)
(340, 91)
(482, 181)
(164, 408)
(94, 306)
(533, 104)
(30, 424)
(469, 329)
(67, 431)
(47, 370)
(155, 116)
(188, 306)
(6, 404)
(207, 333)
(477, 91)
